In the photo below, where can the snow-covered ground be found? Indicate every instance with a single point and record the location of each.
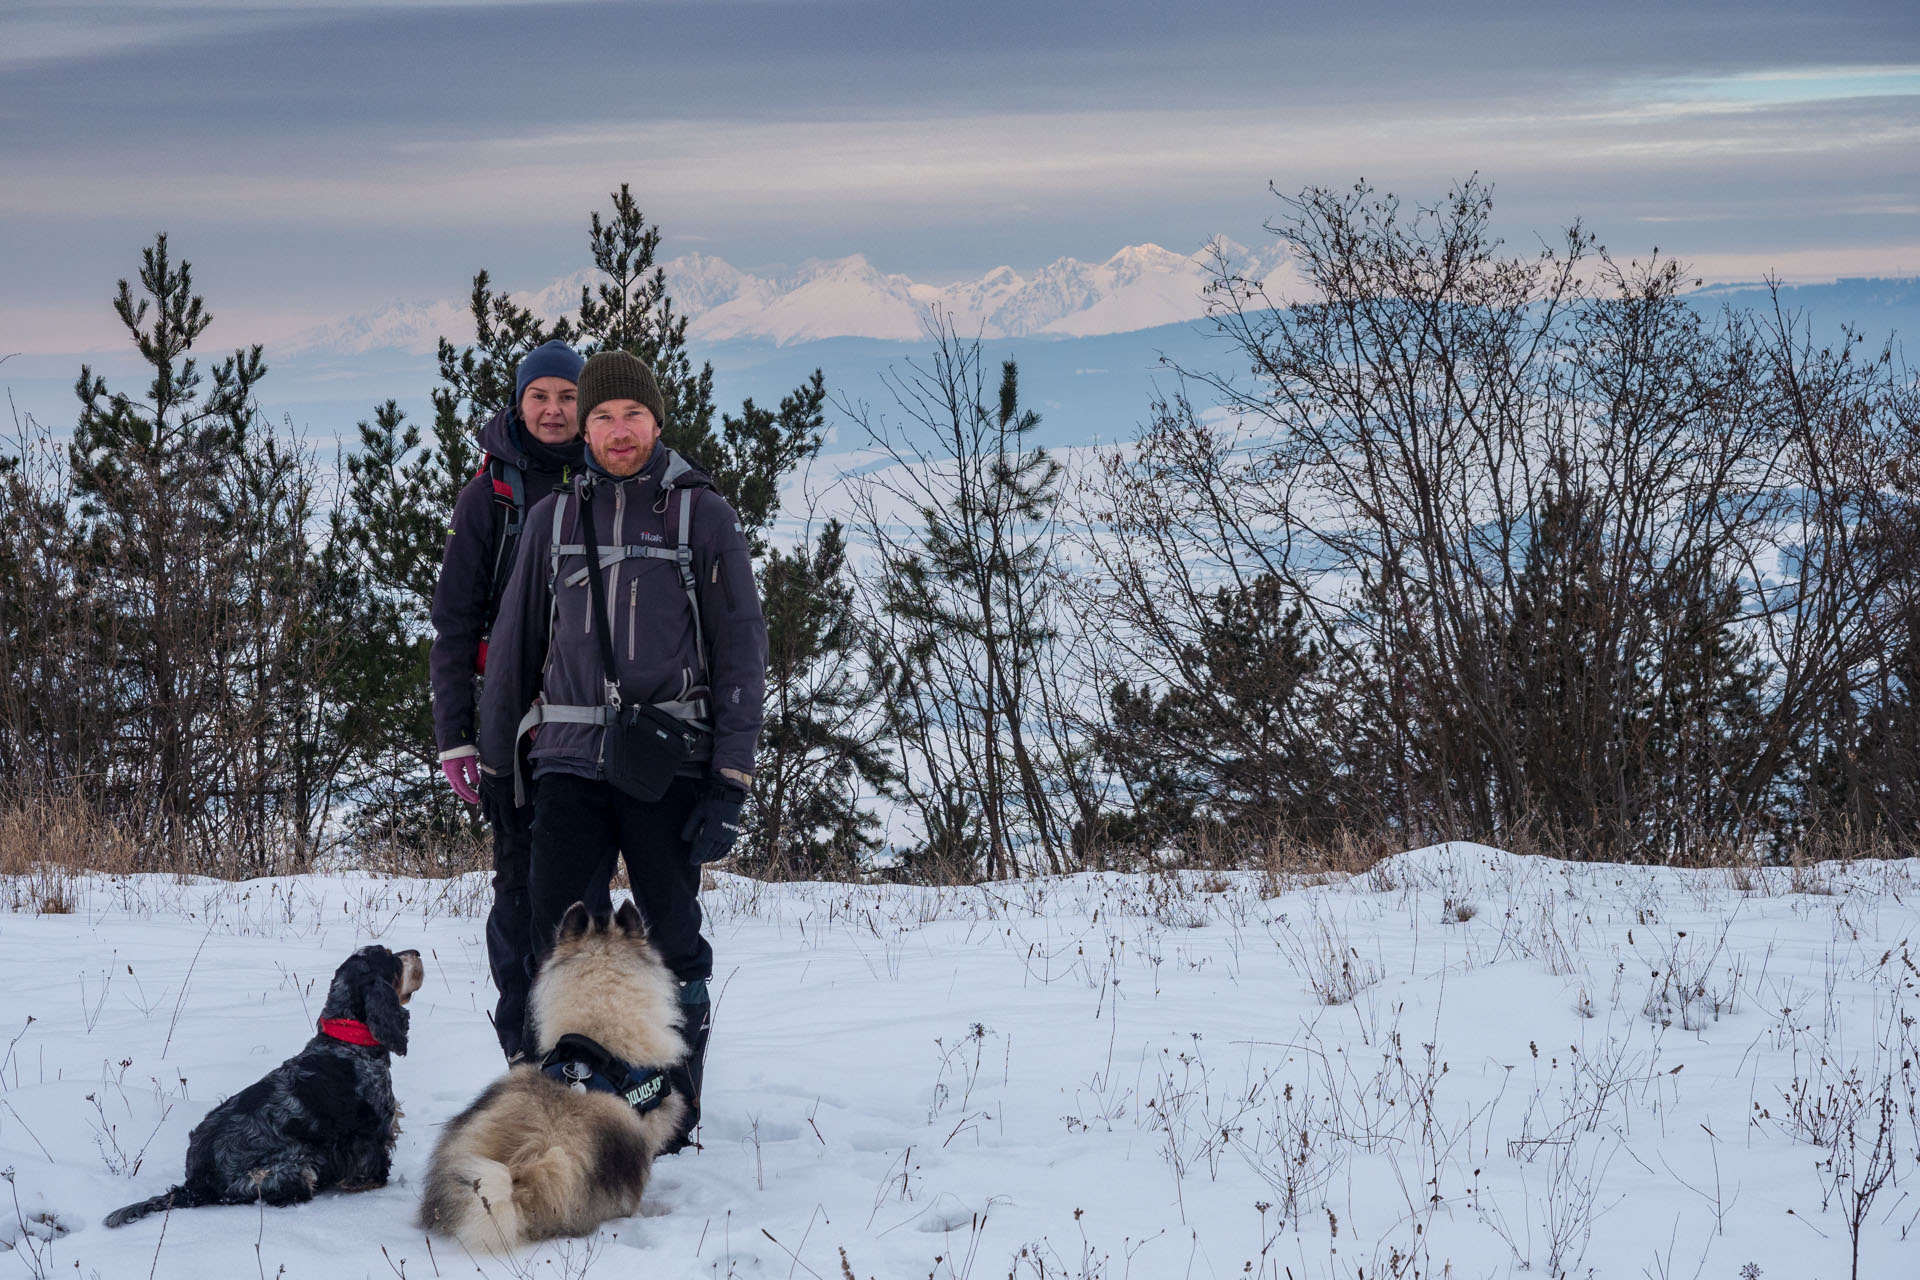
(1463, 1063)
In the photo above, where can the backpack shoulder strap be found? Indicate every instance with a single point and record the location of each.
(510, 506)
(554, 549)
(683, 558)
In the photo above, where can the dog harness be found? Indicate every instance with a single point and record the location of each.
(350, 1031)
(587, 1065)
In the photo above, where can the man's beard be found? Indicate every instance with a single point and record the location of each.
(644, 456)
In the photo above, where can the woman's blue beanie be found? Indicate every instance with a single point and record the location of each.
(553, 359)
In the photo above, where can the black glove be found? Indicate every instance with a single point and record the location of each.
(496, 798)
(714, 824)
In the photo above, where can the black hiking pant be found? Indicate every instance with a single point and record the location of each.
(581, 827)
(510, 920)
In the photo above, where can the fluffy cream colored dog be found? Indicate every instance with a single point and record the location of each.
(558, 1149)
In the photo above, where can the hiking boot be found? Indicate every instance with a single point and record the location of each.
(686, 1076)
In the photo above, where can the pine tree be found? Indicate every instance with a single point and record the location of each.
(402, 497)
(632, 311)
(476, 381)
(1566, 717)
(760, 448)
(56, 724)
(1870, 769)
(156, 533)
(1626, 724)
(962, 609)
(1234, 742)
(195, 567)
(821, 742)
(383, 561)
(1703, 726)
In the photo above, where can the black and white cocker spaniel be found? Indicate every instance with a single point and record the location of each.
(323, 1118)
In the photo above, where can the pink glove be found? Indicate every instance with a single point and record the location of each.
(463, 772)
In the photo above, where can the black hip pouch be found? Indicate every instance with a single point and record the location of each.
(644, 750)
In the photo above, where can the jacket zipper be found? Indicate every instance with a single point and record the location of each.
(633, 609)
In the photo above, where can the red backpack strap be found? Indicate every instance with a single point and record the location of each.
(509, 505)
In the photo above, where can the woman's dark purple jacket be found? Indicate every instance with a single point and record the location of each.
(465, 589)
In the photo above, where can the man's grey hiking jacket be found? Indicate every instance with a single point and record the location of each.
(554, 653)
(464, 592)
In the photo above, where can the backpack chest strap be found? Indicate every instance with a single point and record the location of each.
(610, 556)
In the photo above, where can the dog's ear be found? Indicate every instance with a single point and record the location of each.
(574, 924)
(353, 975)
(381, 1011)
(629, 921)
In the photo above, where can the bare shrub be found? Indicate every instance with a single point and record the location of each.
(1500, 526)
(1293, 1146)
(1694, 981)
(1322, 954)
(31, 1235)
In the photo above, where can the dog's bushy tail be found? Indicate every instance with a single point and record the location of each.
(173, 1198)
(471, 1199)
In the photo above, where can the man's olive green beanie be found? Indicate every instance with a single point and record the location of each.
(616, 375)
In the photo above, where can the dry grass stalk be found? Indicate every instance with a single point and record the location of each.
(436, 855)
(46, 845)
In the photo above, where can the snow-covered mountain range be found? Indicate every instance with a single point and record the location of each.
(1140, 287)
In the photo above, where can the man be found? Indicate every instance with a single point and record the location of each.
(632, 615)
(532, 447)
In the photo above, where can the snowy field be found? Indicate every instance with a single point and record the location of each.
(1462, 1064)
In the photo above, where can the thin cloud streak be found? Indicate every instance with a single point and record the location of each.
(92, 30)
(966, 162)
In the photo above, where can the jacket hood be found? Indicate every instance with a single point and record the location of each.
(500, 436)
(505, 438)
